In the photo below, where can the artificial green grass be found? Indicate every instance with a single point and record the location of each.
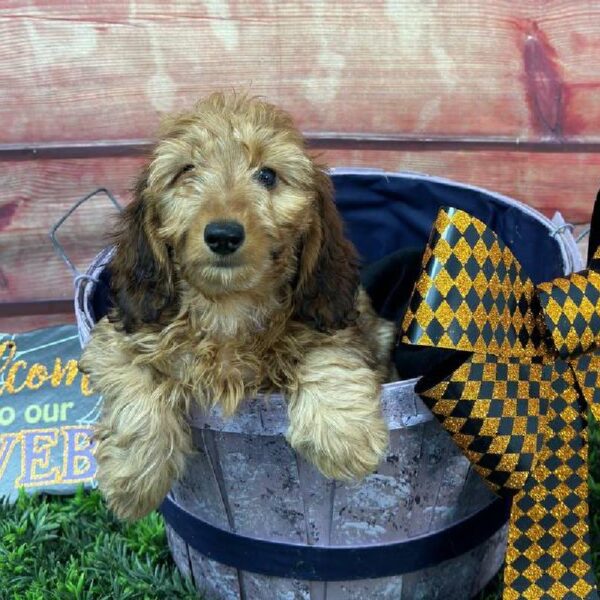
(72, 548)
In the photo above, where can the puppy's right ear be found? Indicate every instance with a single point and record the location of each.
(142, 276)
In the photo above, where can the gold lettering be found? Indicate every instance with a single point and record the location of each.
(59, 372)
(7, 445)
(38, 372)
(36, 452)
(86, 388)
(12, 350)
(37, 375)
(10, 377)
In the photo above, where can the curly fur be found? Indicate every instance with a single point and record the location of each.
(283, 312)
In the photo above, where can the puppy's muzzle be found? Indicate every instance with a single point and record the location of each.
(224, 237)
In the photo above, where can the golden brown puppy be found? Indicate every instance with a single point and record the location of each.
(231, 275)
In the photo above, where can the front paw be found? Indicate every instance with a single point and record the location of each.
(132, 484)
(340, 448)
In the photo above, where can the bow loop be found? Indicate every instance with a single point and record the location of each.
(473, 294)
(571, 308)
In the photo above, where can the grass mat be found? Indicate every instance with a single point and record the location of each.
(73, 548)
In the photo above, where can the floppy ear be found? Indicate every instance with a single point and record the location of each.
(328, 275)
(142, 277)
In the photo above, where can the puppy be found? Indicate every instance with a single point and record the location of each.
(231, 275)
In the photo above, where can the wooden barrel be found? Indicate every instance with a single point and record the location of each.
(251, 520)
(245, 478)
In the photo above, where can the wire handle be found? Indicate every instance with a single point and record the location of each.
(58, 247)
(584, 234)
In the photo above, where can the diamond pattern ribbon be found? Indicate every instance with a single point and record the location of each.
(516, 399)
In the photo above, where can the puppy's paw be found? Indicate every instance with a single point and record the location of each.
(132, 478)
(341, 448)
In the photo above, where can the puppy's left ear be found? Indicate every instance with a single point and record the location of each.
(142, 276)
(328, 274)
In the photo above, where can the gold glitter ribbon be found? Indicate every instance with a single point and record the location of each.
(515, 401)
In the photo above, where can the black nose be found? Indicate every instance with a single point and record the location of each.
(224, 237)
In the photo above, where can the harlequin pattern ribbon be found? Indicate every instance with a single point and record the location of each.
(515, 401)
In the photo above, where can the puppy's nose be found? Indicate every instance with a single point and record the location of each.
(224, 237)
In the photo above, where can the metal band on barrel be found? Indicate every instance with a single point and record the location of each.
(338, 563)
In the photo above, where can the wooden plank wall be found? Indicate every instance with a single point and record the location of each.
(496, 93)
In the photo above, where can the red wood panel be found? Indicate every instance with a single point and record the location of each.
(27, 323)
(549, 182)
(106, 69)
(36, 193)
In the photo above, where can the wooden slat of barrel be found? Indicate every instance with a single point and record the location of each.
(450, 580)
(261, 471)
(451, 491)
(179, 549)
(447, 490)
(317, 497)
(215, 579)
(209, 498)
(317, 501)
(261, 481)
(224, 464)
(454, 485)
(256, 586)
(491, 553)
(376, 510)
(493, 556)
(434, 477)
(202, 487)
(425, 501)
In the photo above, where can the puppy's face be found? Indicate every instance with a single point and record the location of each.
(230, 203)
(233, 192)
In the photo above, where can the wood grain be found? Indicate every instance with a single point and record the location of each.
(549, 182)
(108, 69)
(30, 322)
(502, 95)
(37, 193)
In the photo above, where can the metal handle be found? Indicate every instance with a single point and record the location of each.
(58, 247)
(584, 234)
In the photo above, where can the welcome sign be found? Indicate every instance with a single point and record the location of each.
(47, 410)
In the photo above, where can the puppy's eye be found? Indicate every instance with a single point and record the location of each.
(266, 177)
(182, 172)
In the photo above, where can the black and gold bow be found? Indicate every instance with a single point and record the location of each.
(516, 401)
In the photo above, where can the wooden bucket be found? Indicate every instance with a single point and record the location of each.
(246, 479)
(252, 520)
